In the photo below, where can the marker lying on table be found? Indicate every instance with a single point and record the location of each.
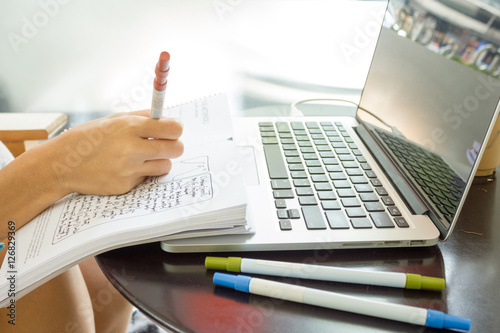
(290, 292)
(160, 85)
(325, 273)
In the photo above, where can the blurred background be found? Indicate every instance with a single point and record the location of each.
(99, 56)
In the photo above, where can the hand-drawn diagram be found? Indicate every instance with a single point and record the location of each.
(189, 182)
(188, 168)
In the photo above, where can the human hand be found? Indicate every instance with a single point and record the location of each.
(112, 155)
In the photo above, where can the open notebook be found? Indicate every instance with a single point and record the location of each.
(395, 175)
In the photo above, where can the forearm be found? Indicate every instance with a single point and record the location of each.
(28, 185)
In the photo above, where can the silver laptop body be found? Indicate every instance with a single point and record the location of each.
(396, 174)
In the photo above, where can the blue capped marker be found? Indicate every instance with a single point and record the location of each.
(290, 292)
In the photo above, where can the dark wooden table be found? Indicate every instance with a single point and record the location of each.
(177, 292)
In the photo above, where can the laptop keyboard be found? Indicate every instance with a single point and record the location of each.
(431, 173)
(319, 176)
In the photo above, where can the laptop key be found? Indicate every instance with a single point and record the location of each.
(330, 161)
(301, 182)
(326, 195)
(361, 223)
(366, 166)
(282, 127)
(304, 143)
(326, 154)
(337, 176)
(323, 186)
(292, 153)
(280, 203)
(286, 135)
(363, 188)
(337, 220)
(355, 172)
(281, 184)
(374, 207)
(401, 222)
(346, 193)
(323, 148)
(346, 157)
(394, 211)
(289, 147)
(296, 167)
(310, 156)
(294, 213)
(368, 197)
(307, 201)
(313, 217)
(330, 205)
(370, 174)
(355, 212)
(287, 141)
(285, 225)
(304, 191)
(283, 194)
(282, 213)
(317, 137)
(312, 124)
(269, 140)
(319, 178)
(313, 163)
(388, 201)
(341, 184)
(338, 144)
(381, 220)
(275, 164)
(350, 202)
(359, 180)
(316, 170)
(298, 174)
(307, 150)
(334, 168)
(293, 160)
(302, 138)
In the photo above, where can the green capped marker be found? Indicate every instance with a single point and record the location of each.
(325, 273)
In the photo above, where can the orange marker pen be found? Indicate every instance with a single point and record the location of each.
(160, 85)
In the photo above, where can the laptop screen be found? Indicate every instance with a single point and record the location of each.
(434, 80)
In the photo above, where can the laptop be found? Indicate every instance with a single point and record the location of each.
(395, 175)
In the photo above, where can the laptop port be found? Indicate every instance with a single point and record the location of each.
(393, 243)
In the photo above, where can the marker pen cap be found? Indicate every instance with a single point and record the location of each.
(438, 319)
(238, 282)
(164, 62)
(161, 71)
(231, 264)
(416, 281)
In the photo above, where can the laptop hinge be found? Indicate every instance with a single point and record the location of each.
(391, 171)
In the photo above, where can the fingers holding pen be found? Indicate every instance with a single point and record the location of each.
(159, 149)
(164, 128)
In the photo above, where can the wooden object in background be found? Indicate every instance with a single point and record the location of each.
(21, 131)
